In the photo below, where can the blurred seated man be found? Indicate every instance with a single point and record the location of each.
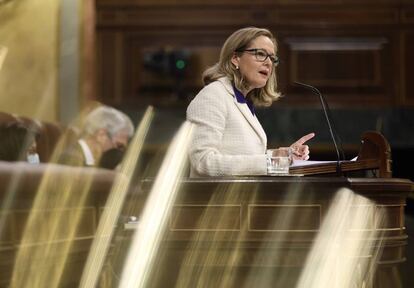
(104, 129)
(18, 143)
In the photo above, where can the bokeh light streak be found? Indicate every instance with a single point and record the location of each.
(116, 198)
(147, 237)
(347, 248)
(48, 224)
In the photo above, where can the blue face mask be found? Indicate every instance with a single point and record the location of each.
(33, 158)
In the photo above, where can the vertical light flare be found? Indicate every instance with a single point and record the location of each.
(344, 255)
(7, 202)
(347, 247)
(153, 221)
(38, 112)
(50, 229)
(51, 226)
(3, 54)
(116, 198)
(53, 222)
(207, 248)
(278, 258)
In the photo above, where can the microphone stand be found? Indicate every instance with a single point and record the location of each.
(325, 109)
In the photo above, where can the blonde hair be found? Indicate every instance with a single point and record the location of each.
(237, 41)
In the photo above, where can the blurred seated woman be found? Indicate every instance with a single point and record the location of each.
(18, 143)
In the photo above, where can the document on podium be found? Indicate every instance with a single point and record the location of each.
(309, 167)
(302, 163)
(297, 163)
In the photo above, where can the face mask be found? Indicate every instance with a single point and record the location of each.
(111, 158)
(33, 158)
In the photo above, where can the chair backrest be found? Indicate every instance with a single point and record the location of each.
(6, 118)
(48, 133)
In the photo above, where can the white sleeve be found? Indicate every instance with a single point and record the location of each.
(208, 111)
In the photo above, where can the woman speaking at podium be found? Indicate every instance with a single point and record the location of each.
(228, 138)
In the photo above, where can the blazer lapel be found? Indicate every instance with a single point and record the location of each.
(244, 109)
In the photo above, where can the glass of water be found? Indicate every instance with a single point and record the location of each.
(278, 161)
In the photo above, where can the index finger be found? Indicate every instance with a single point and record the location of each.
(305, 138)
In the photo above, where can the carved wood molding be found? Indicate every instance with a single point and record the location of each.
(357, 51)
(234, 16)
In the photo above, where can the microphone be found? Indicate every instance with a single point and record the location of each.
(339, 151)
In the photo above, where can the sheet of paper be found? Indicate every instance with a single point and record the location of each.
(310, 162)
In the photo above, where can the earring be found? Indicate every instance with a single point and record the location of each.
(237, 67)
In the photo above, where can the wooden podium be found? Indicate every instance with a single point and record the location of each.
(215, 222)
(258, 231)
(375, 154)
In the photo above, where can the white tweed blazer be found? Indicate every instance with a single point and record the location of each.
(227, 138)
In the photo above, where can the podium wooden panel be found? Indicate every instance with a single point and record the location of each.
(228, 228)
(242, 221)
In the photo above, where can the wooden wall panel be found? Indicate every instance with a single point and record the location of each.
(245, 2)
(406, 54)
(334, 61)
(190, 17)
(408, 67)
(350, 49)
(88, 80)
(140, 86)
(148, 84)
(351, 67)
(407, 16)
(110, 67)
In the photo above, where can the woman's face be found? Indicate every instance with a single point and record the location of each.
(255, 72)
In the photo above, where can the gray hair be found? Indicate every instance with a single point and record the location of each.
(108, 118)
